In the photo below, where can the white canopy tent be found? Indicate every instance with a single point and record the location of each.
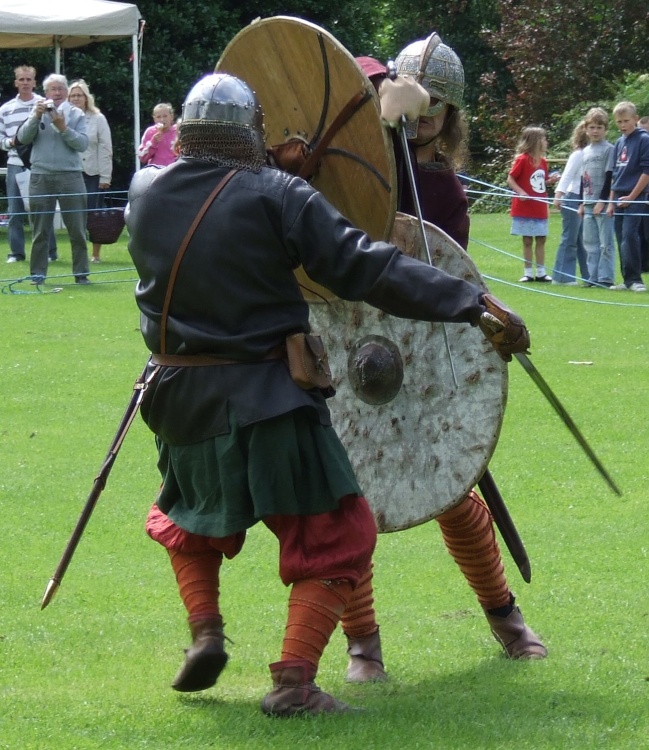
(63, 24)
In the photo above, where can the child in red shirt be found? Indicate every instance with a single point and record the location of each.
(528, 178)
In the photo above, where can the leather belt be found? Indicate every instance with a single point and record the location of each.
(206, 360)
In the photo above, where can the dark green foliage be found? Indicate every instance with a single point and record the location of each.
(524, 61)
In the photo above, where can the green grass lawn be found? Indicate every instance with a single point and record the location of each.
(93, 669)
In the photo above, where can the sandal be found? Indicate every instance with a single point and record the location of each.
(526, 280)
(546, 279)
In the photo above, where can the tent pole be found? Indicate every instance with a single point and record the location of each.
(136, 100)
(57, 57)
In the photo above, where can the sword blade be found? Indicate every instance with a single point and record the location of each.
(420, 217)
(549, 394)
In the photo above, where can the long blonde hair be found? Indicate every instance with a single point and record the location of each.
(531, 142)
(579, 138)
(90, 99)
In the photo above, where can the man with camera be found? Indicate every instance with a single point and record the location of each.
(12, 114)
(57, 131)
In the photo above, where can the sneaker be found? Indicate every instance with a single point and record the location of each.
(95, 260)
(52, 258)
(81, 280)
(525, 280)
(37, 280)
(637, 287)
(619, 287)
(563, 283)
(545, 279)
(14, 259)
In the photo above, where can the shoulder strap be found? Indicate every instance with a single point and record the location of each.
(181, 252)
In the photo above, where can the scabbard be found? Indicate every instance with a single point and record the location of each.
(98, 485)
(505, 524)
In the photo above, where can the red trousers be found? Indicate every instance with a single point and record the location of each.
(334, 545)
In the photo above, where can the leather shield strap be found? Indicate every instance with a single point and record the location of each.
(310, 166)
(181, 252)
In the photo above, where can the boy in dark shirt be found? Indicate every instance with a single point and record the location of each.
(628, 191)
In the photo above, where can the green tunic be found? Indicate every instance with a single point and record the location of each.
(288, 465)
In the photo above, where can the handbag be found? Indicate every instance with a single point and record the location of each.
(308, 362)
(105, 224)
(24, 150)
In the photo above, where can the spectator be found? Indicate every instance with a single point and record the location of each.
(158, 144)
(597, 168)
(12, 114)
(643, 123)
(57, 131)
(567, 199)
(629, 193)
(528, 178)
(97, 160)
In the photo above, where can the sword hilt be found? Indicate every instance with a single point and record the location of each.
(491, 322)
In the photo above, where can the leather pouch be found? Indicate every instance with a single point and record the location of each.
(308, 362)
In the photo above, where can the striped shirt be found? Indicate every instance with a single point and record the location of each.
(12, 114)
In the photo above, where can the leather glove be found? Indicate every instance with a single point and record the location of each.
(504, 330)
(290, 156)
(402, 96)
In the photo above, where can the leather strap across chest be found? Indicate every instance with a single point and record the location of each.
(181, 252)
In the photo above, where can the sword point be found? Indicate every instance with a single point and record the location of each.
(50, 590)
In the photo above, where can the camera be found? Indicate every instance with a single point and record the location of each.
(49, 105)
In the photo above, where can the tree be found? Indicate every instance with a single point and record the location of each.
(525, 61)
(558, 54)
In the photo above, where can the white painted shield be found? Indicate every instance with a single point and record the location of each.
(420, 453)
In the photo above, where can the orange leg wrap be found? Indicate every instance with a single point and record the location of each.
(359, 618)
(197, 574)
(471, 540)
(314, 609)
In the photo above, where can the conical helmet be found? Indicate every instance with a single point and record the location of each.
(436, 66)
(222, 121)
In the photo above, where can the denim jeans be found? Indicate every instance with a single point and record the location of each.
(69, 189)
(571, 247)
(627, 232)
(599, 242)
(644, 241)
(17, 214)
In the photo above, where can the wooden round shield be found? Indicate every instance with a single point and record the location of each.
(310, 87)
(417, 441)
